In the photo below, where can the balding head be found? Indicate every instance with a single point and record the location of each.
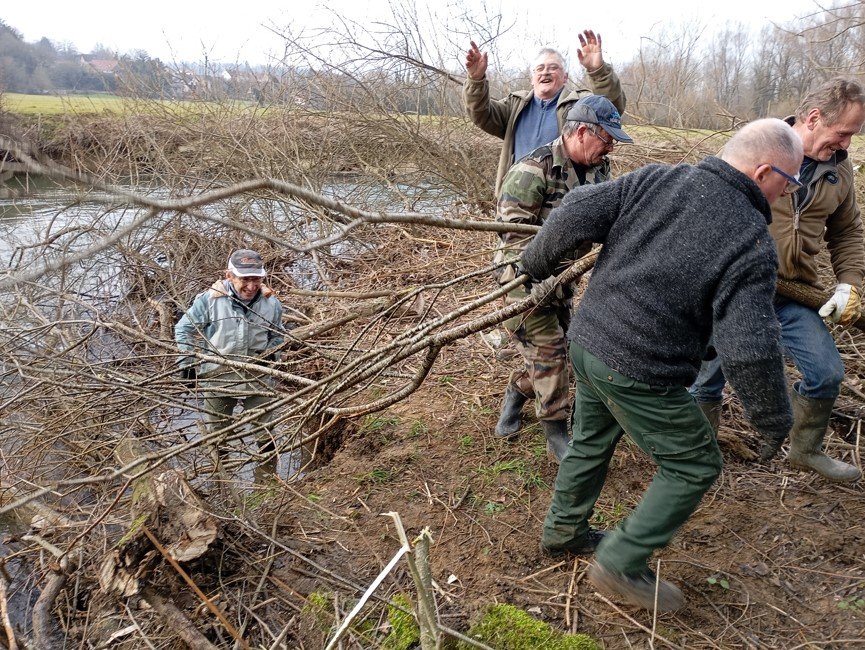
(760, 146)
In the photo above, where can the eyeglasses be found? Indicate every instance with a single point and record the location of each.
(793, 183)
(609, 143)
(244, 280)
(549, 67)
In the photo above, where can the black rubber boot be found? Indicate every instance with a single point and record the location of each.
(558, 438)
(586, 546)
(810, 421)
(712, 411)
(512, 406)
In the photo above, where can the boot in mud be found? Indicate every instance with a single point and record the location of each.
(510, 418)
(558, 438)
(712, 411)
(810, 421)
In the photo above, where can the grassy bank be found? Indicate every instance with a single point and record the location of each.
(62, 104)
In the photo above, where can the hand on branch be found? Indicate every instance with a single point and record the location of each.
(844, 307)
(544, 291)
(590, 54)
(476, 62)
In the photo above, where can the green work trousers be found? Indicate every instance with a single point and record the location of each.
(666, 423)
(223, 391)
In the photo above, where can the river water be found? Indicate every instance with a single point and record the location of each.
(50, 210)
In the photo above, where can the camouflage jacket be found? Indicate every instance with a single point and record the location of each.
(530, 190)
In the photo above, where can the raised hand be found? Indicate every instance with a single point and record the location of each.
(476, 62)
(590, 54)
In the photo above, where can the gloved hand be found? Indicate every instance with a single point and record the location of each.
(187, 375)
(844, 305)
(770, 448)
(544, 291)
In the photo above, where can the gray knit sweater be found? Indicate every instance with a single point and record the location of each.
(687, 254)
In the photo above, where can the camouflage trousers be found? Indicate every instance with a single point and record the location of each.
(540, 337)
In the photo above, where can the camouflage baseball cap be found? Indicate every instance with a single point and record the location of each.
(246, 263)
(594, 109)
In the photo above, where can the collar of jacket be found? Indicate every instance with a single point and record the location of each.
(739, 181)
(565, 95)
(837, 157)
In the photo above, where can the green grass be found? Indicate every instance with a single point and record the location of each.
(418, 428)
(377, 422)
(608, 515)
(377, 476)
(22, 104)
(57, 105)
(529, 476)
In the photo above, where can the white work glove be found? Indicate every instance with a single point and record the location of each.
(843, 307)
(544, 291)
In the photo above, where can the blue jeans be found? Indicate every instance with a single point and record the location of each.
(806, 340)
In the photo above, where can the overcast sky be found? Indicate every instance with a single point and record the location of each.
(186, 30)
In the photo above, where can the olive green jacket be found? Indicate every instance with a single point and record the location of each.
(498, 117)
(830, 213)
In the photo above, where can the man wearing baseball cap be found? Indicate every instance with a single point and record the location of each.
(530, 190)
(239, 320)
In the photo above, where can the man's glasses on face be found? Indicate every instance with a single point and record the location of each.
(596, 131)
(793, 183)
(249, 280)
(549, 67)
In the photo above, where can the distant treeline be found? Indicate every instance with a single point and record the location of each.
(685, 76)
(44, 67)
(49, 67)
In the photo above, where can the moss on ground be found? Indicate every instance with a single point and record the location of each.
(505, 627)
(404, 631)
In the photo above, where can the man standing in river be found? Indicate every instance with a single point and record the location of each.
(239, 320)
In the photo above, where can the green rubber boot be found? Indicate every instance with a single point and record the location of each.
(810, 421)
(712, 411)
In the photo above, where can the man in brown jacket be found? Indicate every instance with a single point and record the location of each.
(823, 207)
(528, 119)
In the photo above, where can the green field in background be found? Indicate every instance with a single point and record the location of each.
(57, 104)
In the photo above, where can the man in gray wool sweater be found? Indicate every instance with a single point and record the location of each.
(687, 254)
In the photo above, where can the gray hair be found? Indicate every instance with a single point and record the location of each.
(546, 51)
(569, 126)
(769, 140)
(831, 99)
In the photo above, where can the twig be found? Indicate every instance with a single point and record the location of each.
(176, 621)
(209, 603)
(637, 623)
(365, 597)
(4, 610)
